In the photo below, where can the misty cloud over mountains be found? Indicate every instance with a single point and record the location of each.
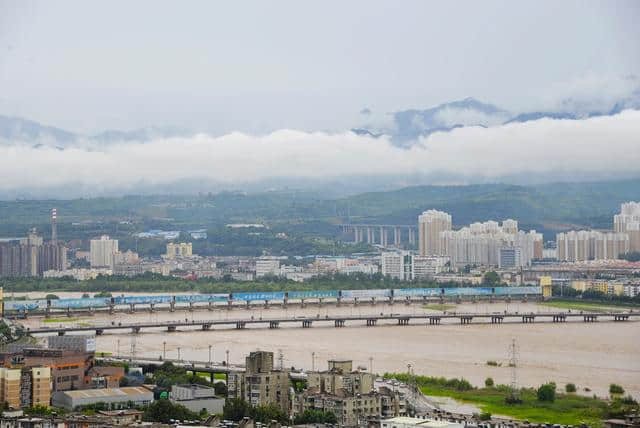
(595, 147)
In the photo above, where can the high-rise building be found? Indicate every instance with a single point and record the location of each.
(430, 224)
(510, 257)
(182, 249)
(586, 245)
(102, 251)
(25, 387)
(628, 221)
(480, 243)
(267, 266)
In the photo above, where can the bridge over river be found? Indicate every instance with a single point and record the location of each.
(338, 321)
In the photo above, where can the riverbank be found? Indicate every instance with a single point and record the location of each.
(566, 409)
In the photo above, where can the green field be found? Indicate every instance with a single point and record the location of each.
(439, 307)
(568, 409)
(585, 306)
(61, 320)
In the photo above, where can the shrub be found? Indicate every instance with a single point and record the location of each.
(547, 392)
(570, 387)
(616, 389)
(488, 382)
(485, 416)
(492, 363)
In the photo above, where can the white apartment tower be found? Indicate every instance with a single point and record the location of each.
(628, 221)
(102, 251)
(430, 224)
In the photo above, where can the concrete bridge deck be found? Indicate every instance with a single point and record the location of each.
(342, 320)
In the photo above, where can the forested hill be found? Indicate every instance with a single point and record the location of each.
(545, 207)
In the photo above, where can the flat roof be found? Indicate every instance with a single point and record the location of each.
(107, 392)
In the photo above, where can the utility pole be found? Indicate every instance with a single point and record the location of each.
(209, 354)
(132, 357)
(179, 354)
(164, 351)
(313, 361)
(513, 364)
(227, 358)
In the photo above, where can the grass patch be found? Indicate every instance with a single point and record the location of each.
(439, 307)
(61, 320)
(584, 306)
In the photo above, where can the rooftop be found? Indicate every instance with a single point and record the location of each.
(107, 392)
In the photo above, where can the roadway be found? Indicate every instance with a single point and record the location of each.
(370, 320)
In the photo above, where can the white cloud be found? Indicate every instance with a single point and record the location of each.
(598, 146)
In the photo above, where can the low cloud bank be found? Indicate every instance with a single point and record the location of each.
(599, 146)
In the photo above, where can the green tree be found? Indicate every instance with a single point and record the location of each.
(491, 278)
(235, 409)
(164, 410)
(311, 416)
(547, 392)
(488, 382)
(570, 387)
(616, 389)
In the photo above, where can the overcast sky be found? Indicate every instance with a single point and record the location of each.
(260, 66)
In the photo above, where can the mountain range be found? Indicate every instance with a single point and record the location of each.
(406, 128)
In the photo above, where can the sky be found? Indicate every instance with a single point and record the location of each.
(257, 67)
(270, 90)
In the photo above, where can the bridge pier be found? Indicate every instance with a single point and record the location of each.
(240, 325)
(403, 321)
(621, 317)
(302, 303)
(590, 318)
(372, 322)
(210, 307)
(339, 323)
(466, 319)
(306, 323)
(190, 306)
(266, 304)
(497, 319)
(229, 304)
(171, 328)
(112, 308)
(135, 330)
(69, 312)
(132, 307)
(61, 333)
(434, 320)
(248, 305)
(355, 301)
(407, 300)
(172, 306)
(47, 312)
(206, 327)
(274, 324)
(528, 319)
(373, 301)
(320, 302)
(99, 332)
(559, 318)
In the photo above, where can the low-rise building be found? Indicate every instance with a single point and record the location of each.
(116, 397)
(197, 397)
